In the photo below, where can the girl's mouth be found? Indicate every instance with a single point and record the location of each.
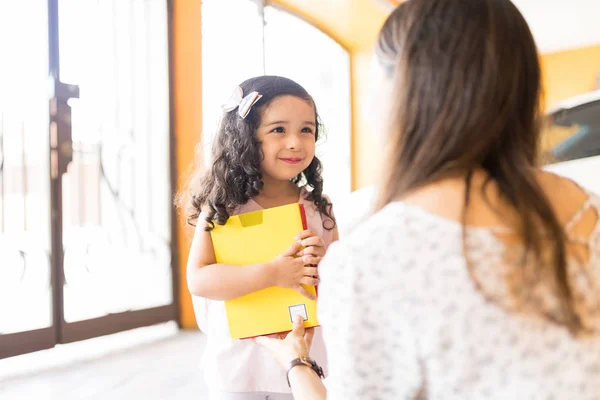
(291, 160)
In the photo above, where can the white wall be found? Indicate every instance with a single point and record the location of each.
(586, 172)
(353, 208)
(562, 24)
(556, 25)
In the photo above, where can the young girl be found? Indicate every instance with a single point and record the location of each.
(263, 157)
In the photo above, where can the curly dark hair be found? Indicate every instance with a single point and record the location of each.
(235, 175)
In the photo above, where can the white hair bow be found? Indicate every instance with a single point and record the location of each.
(242, 103)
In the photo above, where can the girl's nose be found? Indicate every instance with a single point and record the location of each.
(292, 141)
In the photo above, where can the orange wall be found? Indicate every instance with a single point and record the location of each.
(364, 153)
(567, 74)
(187, 91)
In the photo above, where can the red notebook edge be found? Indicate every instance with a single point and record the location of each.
(303, 216)
(305, 227)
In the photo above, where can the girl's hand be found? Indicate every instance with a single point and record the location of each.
(289, 271)
(295, 345)
(314, 247)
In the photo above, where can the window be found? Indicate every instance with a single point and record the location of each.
(116, 193)
(299, 51)
(244, 38)
(85, 171)
(232, 43)
(25, 292)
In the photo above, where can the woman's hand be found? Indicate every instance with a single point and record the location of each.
(314, 247)
(295, 345)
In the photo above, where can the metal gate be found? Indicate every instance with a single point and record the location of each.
(86, 222)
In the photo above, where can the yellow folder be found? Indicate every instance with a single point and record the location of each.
(259, 237)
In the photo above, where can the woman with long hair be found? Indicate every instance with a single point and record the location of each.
(478, 276)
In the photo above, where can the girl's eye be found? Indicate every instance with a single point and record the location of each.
(307, 130)
(279, 129)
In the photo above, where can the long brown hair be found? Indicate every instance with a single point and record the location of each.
(467, 87)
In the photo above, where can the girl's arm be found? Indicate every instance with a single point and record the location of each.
(214, 281)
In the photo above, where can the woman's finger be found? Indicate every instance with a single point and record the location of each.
(298, 329)
(311, 271)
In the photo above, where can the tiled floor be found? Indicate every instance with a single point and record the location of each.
(165, 368)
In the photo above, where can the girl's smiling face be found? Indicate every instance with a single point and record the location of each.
(287, 133)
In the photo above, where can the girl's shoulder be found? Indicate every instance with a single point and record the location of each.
(315, 220)
(306, 196)
(308, 202)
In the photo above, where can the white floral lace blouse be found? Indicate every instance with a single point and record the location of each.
(403, 319)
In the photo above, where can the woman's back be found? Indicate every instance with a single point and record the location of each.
(405, 312)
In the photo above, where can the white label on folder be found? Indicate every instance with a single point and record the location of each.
(298, 309)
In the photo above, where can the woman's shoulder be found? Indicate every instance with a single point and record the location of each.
(559, 187)
(566, 196)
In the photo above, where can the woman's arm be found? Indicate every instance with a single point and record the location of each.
(304, 381)
(306, 384)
